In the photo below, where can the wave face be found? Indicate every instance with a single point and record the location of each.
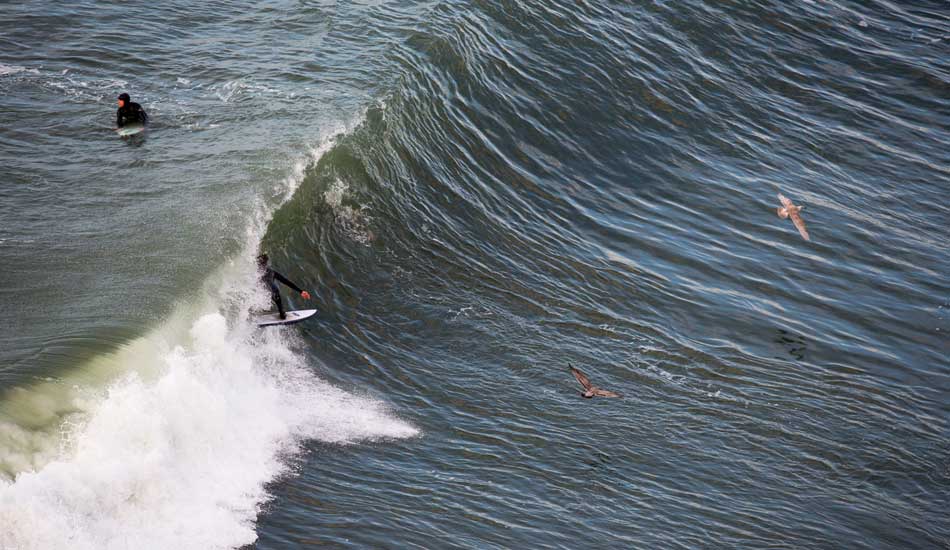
(515, 187)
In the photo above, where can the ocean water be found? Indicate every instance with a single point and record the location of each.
(477, 194)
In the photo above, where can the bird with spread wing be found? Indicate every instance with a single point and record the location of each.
(589, 389)
(789, 210)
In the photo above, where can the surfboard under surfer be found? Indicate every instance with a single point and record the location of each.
(129, 112)
(269, 278)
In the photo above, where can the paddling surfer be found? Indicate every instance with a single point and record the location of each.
(129, 112)
(270, 277)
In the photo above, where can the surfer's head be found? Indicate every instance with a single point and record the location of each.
(124, 99)
(262, 260)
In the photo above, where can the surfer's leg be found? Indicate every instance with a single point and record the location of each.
(275, 296)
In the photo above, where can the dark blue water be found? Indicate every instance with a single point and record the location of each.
(477, 194)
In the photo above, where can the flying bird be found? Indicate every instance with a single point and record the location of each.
(790, 210)
(589, 389)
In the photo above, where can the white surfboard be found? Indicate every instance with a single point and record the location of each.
(272, 319)
(130, 130)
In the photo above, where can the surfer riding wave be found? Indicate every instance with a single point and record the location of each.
(270, 277)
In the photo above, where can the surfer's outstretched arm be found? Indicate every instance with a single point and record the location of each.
(290, 284)
(286, 281)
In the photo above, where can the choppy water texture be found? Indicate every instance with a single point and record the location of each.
(477, 194)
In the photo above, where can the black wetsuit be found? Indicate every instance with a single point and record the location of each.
(269, 279)
(131, 113)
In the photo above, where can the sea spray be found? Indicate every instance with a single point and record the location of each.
(182, 461)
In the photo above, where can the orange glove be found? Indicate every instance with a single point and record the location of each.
(305, 295)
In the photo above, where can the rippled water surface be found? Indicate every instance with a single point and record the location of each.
(478, 194)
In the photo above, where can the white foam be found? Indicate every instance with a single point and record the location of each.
(181, 461)
(352, 221)
(176, 451)
(14, 69)
(236, 89)
(83, 88)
